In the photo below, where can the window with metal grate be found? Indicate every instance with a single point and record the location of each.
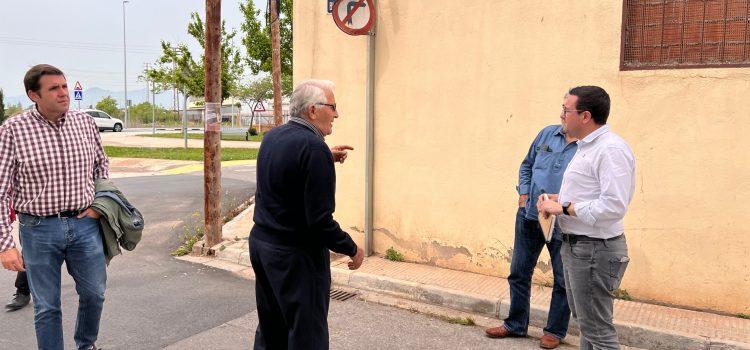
(661, 34)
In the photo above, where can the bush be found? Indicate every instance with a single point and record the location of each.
(393, 255)
(251, 131)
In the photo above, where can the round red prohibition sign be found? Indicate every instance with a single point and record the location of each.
(354, 17)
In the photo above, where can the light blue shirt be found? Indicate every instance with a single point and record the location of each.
(544, 165)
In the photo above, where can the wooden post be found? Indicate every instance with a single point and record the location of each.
(212, 127)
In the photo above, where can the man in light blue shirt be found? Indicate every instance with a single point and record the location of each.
(541, 172)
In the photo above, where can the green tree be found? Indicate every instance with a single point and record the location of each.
(257, 40)
(141, 114)
(257, 91)
(108, 105)
(177, 67)
(2, 107)
(14, 109)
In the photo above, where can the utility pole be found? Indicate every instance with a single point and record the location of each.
(212, 127)
(276, 62)
(125, 64)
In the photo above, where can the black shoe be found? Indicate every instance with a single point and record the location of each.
(19, 302)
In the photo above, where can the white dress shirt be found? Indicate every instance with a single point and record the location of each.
(599, 181)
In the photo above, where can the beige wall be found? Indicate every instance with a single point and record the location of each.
(462, 88)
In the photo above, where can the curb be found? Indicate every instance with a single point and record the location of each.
(234, 253)
(630, 334)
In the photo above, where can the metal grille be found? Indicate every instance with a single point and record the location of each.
(340, 295)
(685, 34)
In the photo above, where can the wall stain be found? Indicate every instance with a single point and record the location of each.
(544, 266)
(439, 251)
(507, 256)
(432, 252)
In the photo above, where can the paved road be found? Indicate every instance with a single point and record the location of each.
(152, 299)
(356, 324)
(155, 301)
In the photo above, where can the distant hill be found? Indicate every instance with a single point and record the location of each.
(93, 95)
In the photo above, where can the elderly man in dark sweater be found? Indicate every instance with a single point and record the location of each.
(294, 226)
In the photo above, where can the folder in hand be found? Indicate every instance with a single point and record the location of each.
(548, 223)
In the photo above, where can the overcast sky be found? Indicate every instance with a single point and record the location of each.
(84, 38)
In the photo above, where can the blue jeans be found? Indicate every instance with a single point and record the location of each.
(47, 242)
(529, 242)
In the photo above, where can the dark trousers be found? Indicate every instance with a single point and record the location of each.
(529, 242)
(292, 291)
(22, 283)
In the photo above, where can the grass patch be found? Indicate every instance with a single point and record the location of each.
(745, 316)
(622, 294)
(195, 234)
(199, 136)
(178, 153)
(192, 236)
(393, 255)
(464, 321)
(545, 284)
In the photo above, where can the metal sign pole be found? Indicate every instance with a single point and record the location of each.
(359, 17)
(370, 144)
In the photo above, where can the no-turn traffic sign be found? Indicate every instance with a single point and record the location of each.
(354, 17)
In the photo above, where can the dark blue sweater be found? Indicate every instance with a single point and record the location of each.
(296, 188)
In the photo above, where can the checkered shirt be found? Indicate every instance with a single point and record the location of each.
(46, 167)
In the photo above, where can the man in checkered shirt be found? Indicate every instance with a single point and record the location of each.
(50, 157)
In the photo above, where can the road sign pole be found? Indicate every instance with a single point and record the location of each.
(358, 17)
(78, 93)
(370, 142)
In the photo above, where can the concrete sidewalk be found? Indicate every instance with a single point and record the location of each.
(126, 139)
(639, 324)
(132, 167)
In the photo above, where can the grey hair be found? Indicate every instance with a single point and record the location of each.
(308, 93)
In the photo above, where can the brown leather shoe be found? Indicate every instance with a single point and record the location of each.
(549, 341)
(498, 332)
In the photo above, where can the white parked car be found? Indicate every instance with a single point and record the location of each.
(104, 121)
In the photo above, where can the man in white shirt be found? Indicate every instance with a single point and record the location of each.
(594, 196)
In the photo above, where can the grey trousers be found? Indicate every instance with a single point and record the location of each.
(593, 270)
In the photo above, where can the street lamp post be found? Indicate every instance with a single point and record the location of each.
(125, 63)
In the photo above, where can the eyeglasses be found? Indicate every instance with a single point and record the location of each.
(565, 111)
(333, 106)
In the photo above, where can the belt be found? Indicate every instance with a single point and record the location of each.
(572, 239)
(62, 214)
